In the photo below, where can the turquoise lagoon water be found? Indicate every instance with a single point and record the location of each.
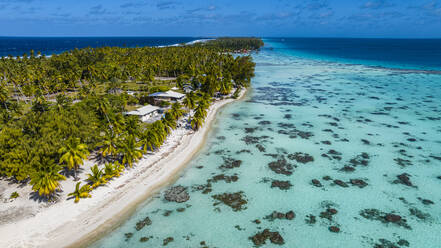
(356, 122)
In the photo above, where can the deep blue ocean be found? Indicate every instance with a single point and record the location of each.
(17, 46)
(422, 54)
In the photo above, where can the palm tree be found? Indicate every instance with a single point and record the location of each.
(161, 131)
(169, 122)
(190, 100)
(82, 192)
(196, 122)
(73, 154)
(150, 139)
(103, 109)
(118, 122)
(109, 145)
(44, 179)
(132, 125)
(130, 151)
(4, 97)
(176, 110)
(39, 104)
(226, 85)
(113, 170)
(96, 177)
(181, 80)
(201, 110)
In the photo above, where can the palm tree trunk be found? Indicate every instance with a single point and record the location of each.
(110, 124)
(75, 174)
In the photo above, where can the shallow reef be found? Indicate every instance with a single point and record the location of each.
(235, 200)
(260, 238)
(383, 217)
(177, 194)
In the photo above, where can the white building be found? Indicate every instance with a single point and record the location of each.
(168, 95)
(145, 112)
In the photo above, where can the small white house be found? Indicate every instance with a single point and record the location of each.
(131, 93)
(168, 95)
(145, 112)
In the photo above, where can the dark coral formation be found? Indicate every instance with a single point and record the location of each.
(167, 213)
(166, 241)
(426, 201)
(281, 166)
(327, 178)
(261, 148)
(230, 163)
(332, 154)
(284, 185)
(260, 238)
(358, 182)
(128, 236)
(334, 229)
(419, 214)
(328, 214)
(290, 215)
(252, 140)
(236, 200)
(177, 194)
(310, 219)
(205, 188)
(144, 239)
(404, 179)
(403, 162)
(222, 177)
(264, 122)
(375, 214)
(291, 130)
(384, 243)
(361, 159)
(301, 157)
(341, 183)
(251, 129)
(347, 169)
(243, 151)
(141, 224)
(316, 183)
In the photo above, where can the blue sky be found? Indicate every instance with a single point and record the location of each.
(307, 18)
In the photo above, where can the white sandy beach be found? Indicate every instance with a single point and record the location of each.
(28, 223)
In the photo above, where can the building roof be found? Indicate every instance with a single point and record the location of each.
(144, 110)
(168, 94)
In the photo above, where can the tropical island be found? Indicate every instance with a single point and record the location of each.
(100, 123)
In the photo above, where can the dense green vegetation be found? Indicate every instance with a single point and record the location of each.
(57, 111)
(230, 44)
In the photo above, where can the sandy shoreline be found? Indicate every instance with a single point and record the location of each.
(66, 224)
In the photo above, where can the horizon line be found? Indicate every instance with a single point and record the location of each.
(221, 36)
